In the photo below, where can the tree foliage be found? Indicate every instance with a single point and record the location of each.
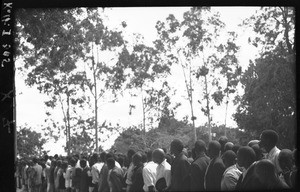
(29, 143)
(269, 82)
(162, 136)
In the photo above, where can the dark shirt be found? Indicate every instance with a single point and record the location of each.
(249, 181)
(76, 177)
(214, 174)
(137, 179)
(103, 185)
(197, 171)
(180, 173)
(116, 177)
(84, 180)
(51, 177)
(61, 180)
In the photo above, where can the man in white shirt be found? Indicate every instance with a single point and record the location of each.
(96, 168)
(149, 173)
(68, 175)
(268, 141)
(163, 170)
(232, 173)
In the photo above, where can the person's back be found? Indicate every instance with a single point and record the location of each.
(137, 173)
(198, 167)
(76, 175)
(215, 169)
(137, 179)
(115, 176)
(180, 168)
(47, 175)
(56, 176)
(84, 178)
(38, 169)
(266, 174)
(248, 180)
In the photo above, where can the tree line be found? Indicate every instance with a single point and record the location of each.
(78, 61)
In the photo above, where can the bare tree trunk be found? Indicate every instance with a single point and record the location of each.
(208, 109)
(191, 104)
(68, 127)
(190, 95)
(144, 119)
(227, 97)
(96, 99)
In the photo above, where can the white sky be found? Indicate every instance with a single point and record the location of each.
(30, 103)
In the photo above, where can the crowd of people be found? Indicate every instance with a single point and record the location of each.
(219, 165)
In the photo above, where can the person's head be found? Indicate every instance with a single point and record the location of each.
(285, 159)
(72, 162)
(110, 163)
(110, 155)
(266, 173)
(158, 156)
(228, 146)
(229, 158)
(95, 157)
(223, 140)
(53, 163)
(268, 140)
(149, 155)
(214, 149)
(59, 162)
(200, 147)
(245, 156)
(235, 148)
(82, 163)
(258, 152)
(130, 153)
(137, 159)
(176, 147)
(55, 156)
(34, 160)
(46, 157)
(64, 165)
(103, 156)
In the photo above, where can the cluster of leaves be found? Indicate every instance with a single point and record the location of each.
(29, 143)
(171, 129)
(269, 100)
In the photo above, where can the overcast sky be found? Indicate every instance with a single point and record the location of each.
(30, 103)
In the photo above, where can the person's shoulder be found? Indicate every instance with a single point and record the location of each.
(218, 161)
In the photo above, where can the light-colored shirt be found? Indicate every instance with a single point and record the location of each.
(129, 174)
(149, 175)
(117, 164)
(68, 176)
(163, 170)
(39, 170)
(230, 178)
(273, 156)
(96, 168)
